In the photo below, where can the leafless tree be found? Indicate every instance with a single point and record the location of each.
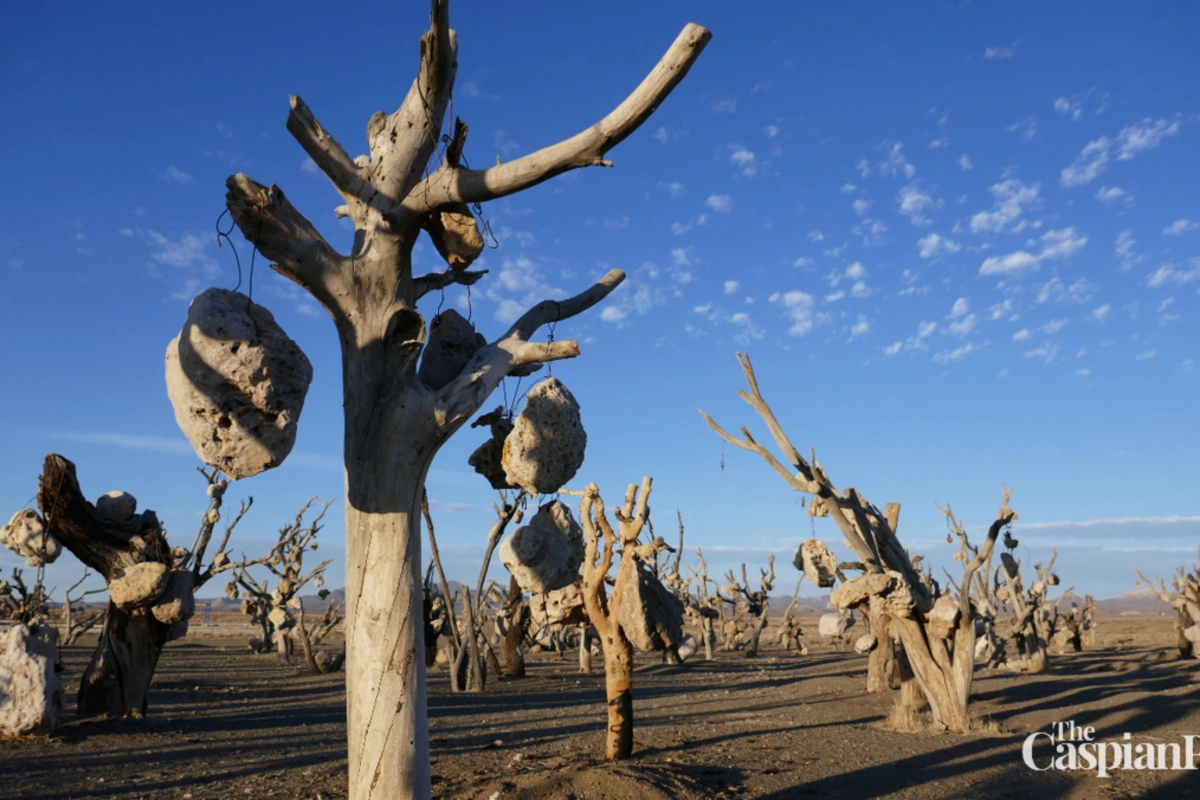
(1185, 599)
(75, 622)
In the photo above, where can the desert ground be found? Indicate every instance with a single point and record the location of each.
(223, 723)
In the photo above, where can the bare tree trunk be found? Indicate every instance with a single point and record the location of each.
(880, 661)
(585, 650)
(117, 680)
(706, 630)
(618, 682)
(759, 624)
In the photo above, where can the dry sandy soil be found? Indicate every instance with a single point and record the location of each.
(225, 724)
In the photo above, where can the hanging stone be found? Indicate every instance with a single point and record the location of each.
(649, 614)
(547, 443)
(177, 603)
(139, 585)
(545, 554)
(26, 535)
(456, 235)
(237, 383)
(486, 460)
(818, 563)
(452, 342)
(563, 606)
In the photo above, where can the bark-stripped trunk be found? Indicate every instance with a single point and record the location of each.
(117, 680)
(618, 684)
(880, 662)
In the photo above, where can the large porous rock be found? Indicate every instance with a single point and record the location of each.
(545, 554)
(547, 443)
(817, 562)
(116, 506)
(26, 535)
(237, 383)
(487, 458)
(942, 619)
(452, 342)
(865, 643)
(281, 618)
(177, 603)
(456, 235)
(31, 694)
(649, 614)
(559, 607)
(139, 585)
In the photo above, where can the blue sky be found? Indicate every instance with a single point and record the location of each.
(961, 242)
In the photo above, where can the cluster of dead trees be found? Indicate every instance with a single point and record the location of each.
(1184, 598)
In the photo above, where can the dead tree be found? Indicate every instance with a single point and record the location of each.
(75, 622)
(516, 616)
(395, 423)
(320, 662)
(641, 612)
(21, 604)
(983, 588)
(1185, 599)
(937, 633)
(151, 585)
(790, 634)
(755, 603)
(1033, 622)
(273, 608)
(703, 606)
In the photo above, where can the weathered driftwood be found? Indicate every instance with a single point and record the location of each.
(237, 383)
(31, 693)
(943, 667)
(546, 446)
(394, 424)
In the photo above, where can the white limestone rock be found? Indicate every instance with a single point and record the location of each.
(834, 624)
(546, 446)
(177, 603)
(545, 554)
(139, 585)
(649, 614)
(31, 694)
(237, 383)
(866, 643)
(817, 562)
(559, 607)
(26, 535)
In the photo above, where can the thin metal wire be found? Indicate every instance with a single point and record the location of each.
(225, 235)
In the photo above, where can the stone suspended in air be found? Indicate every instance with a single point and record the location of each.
(649, 614)
(487, 458)
(237, 383)
(547, 443)
(456, 235)
(139, 585)
(177, 603)
(26, 535)
(545, 554)
(452, 342)
(817, 562)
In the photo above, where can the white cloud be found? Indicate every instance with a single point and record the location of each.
(749, 331)
(961, 306)
(224, 130)
(673, 188)
(964, 162)
(939, 143)
(963, 326)
(612, 313)
(913, 203)
(616, 224)
(914, 342)
(679, 256)
(816, 236)
(1012, 199)
(932, 244)
(999, 53)
(946, 356)
(856, 271)
(174, 175)
(188, 252)
(1147, 355)
(661, 134)
(772, 131)
(833, 297)
(1001, 310)
(504, 143)
(1027, 128)
(798, 306)
(1047, 352)
(849, 188)
(1133, 139)
(744, 160)
(731, 287)
(719, 202)
(860, 328)
(1106, 194)
(1172, 273)
(1054, 289)
(861, 206)
(726, 105)
(309, 167)
(894, 161)
(1180, 227)
(864, 168)
(1062, 243)
(704, 309)
(1100, 313)
(127, 441)
(1054, 326)
(802, 262)
(1022, 335)
(1069, 108)
(1124, 249)
(1012, 263)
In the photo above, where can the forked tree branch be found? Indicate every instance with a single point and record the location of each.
(435, 281)
(452, 184)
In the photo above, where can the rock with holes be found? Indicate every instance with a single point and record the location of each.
(545, 554)
(27, 536)
(452, 342)
(487, 458)
(456, 235)
(281, 618)
(547, 443)
(649, 614)
(139, 585)
(866, 643)
(559, 607)
(237, 383)
(177, 603)
(817, 562)
(31, 694)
